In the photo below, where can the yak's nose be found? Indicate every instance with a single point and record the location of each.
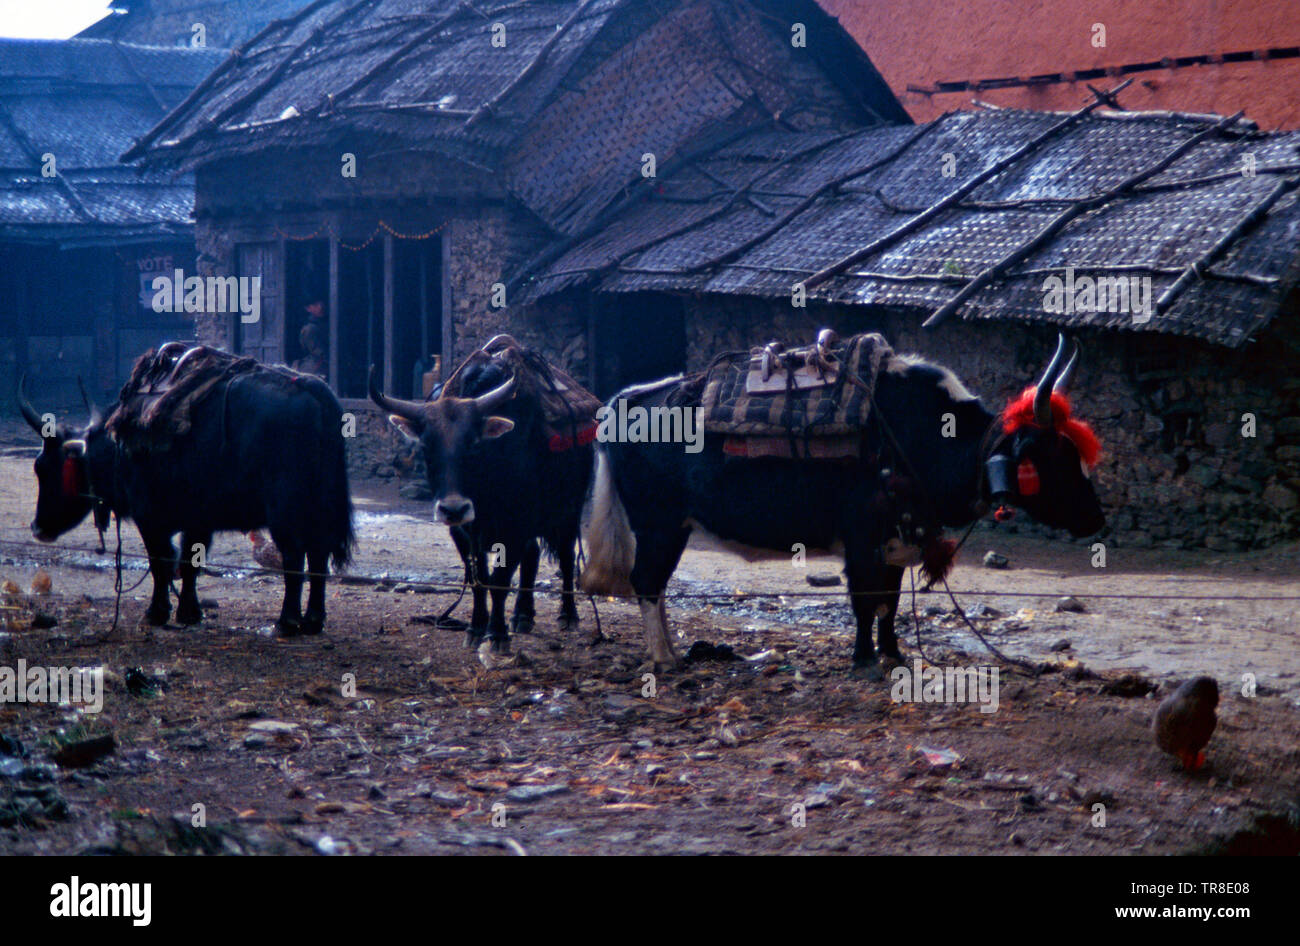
(40, 535)
(454, 510)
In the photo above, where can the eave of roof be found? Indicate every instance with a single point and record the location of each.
(795, 205)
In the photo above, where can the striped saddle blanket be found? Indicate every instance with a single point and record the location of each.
(819, 391)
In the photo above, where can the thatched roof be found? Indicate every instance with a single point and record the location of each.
(767, 211)
(83, 101)
(610, 76)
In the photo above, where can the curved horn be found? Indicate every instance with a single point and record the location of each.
(1062, 382)
(96, 415)
(486, 403)
(500, 341)
(24, 405)
(1043, 396)
(411, 410)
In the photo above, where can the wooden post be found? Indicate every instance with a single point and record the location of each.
(388, 312)
(448, 327)
(334, 315)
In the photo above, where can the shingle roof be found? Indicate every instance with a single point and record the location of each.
(424, 72)
(769, 210)
(84, 101)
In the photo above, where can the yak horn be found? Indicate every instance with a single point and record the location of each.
(502, 341)
(96, 415)
(24, 405)
(1043, 396)
(410, 410)
(1062, 382)
(486, 403)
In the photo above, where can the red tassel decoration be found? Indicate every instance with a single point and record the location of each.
(1020, 414)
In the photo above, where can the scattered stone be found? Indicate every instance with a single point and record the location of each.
(984, 611)
(816, 800)
(42, 621)
(1129, 685)
(994, 559)
(415, 491)
(1098, 796)
(446, 799)
(823, 581)
(1029, 802)
(78, 755)
(525, 794)
(703, 650)
(139, 683)
(1062, 644)
(1071, 604)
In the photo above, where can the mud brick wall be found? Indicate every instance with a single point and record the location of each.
(1176, 471)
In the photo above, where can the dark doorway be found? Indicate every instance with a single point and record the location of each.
(639, 337)
(417, 314)
(361, 317)
(306, 302)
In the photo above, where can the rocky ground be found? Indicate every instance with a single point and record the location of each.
(386, 736)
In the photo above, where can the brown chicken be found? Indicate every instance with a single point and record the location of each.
(265, 553)
(1184, 722)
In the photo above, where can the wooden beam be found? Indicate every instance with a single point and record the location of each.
(490, 106)
(448, 324)
(1062, 220)
(388, 312)
(334, 312)
(1197, 269)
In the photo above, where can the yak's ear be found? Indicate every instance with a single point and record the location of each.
(494, 427)
(407, 428)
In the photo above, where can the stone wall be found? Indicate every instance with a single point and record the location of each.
(1180, 468)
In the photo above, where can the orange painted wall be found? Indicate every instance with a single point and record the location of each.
(923, 42)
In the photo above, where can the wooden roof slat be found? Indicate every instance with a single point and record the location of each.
(202, 88)
(954, 196)
(1062, 220)
(1199, 267)
(490, 106)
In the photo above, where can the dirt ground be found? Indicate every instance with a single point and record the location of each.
(779, 750)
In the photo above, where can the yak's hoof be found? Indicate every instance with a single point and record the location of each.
(569, 623)
(868, 671)
(313, 623)
(290, 627)
(189, 615)
(522, 624)
(157, 615)
(501, 645)
(474, 636)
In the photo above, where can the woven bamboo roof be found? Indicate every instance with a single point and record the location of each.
(872, 213)
(82, 101)
(579, 89)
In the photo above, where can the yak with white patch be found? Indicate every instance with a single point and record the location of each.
(931, 457)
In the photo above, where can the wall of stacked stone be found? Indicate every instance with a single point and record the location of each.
(1179, 469)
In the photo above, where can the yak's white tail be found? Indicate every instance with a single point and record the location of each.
(607, 537)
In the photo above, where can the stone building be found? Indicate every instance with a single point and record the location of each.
(633, 187)
(81, 235)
